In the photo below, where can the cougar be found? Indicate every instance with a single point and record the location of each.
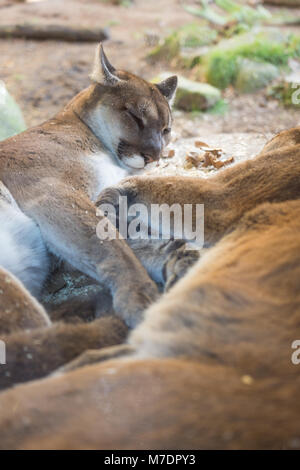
(211, 364)
(52, 174)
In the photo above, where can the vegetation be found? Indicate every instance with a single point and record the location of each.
(287, 93)
(222, 62)
(11, 119)
(228, 11)
(230, 46)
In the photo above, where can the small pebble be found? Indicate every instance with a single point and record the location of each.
(247, 380)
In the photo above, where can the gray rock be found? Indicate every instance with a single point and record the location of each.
(11, 119)
(193, 96)
(253, 75)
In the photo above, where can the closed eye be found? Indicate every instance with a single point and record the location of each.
(138, 120)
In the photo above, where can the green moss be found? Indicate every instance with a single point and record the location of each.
(286, 93)
(195, 35)
(294, 45)
(222, 62)
(253, 75)
(221, 71)
(189, 36)
(166, 51)
(11, 119)
(220, 108)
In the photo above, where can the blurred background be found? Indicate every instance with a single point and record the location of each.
(238, 61)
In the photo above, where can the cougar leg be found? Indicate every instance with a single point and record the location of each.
(93, 356)
(165, 260)
(74, 237)
(37, 353)
(178, 264)
(19, 310)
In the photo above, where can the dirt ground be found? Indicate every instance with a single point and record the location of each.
(44, 75)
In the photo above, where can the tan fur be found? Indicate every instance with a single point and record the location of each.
(154, 404)
(36, 353)
(223, 377)
(18, 309)
(54, 171)
(240, 304)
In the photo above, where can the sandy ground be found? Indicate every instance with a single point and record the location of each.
(240, 146)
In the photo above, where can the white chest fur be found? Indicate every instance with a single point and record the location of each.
(103, 172)
(22, 250)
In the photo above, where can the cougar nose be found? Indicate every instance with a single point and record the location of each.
(149, 158)
(152, 154)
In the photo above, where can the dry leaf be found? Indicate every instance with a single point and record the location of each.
(188, 165)
(194, 159)
(229, 160)
(193, 154)
(218, 163)
(200, 144)
(208, 159)
(170, 154)
(215, 152)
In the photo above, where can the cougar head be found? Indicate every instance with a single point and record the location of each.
(130, 116)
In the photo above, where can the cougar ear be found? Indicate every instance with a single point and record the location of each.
(168, 88)
(103, 71)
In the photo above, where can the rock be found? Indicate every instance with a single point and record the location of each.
(196, 96)
(253, 75)
(193, 96)
(11, 119)
(167, 51)
(221, 63)
(71, 295)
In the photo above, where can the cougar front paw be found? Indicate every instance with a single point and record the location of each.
(131, 302)
(178, 264)
(127, 188)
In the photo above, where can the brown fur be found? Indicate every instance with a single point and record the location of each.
(240, 304)
(18, 309)
(153, 404)
(36, 353)
(223, 334)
